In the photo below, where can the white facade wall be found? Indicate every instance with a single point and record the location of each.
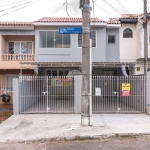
(128, 46)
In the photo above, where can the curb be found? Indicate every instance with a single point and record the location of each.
(78, 138)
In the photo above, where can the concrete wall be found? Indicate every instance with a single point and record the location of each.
(112, 49)
(140, 52)
(72, 54)
(16, 96)
(148, 87)
(77, 94)
(3, 74)
(128, 46)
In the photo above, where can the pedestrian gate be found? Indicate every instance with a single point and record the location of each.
(118, 94)
(44, 94)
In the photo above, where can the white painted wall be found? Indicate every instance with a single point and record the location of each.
(140, 52)
(128, 46)
(135, 71)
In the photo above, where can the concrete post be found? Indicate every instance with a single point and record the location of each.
(16, 96)
(77, 94)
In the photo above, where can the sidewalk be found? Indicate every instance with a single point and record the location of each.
(22, 128)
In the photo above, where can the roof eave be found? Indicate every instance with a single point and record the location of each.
(113, 25)
(129, 20)
(16, 27)
(68, 23)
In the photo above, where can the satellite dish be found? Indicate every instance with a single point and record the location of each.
(74, 73)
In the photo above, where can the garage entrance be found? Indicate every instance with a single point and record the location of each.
(45, 94)
(118, 94)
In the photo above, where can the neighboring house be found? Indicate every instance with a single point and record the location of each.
(16, 45)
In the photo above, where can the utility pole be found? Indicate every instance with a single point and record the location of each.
(145, 48)
(86, 71)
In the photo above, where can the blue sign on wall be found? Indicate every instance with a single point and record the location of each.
(70, 30)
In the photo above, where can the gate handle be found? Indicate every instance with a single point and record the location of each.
(115, 93)
(44, 93)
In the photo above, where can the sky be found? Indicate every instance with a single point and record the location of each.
(37, 9)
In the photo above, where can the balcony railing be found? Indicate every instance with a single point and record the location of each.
(17, 57)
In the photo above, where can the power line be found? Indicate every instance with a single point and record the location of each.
(118, 11)
(104, 10)
(124, 8)
(15, 6)
(119, 7)
(19, 8)
(12, 3)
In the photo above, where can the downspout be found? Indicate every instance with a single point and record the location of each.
(123, 68)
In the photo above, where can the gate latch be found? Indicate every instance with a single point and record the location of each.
(44, 93)
(115, 93)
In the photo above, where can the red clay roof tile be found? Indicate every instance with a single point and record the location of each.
(51, 19)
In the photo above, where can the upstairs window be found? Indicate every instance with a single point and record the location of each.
(52, 39)
(92, 36)
(20, 47)
(111, 39)
(127, 33)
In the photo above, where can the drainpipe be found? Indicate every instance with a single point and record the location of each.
(123, 68)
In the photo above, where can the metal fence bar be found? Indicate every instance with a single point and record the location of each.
(112, 98)
(46, 94)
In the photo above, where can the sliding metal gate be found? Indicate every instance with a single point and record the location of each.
(118, 94)
(44, 94)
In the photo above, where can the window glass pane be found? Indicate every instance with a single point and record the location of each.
(66, 40)
(111, 39)
(54, 72)
(93, 37)
(66, 72)
(42, 39)
(17, 48)
(11, 47)
(48, 72)
(127, 33)
(58, 40)
(79, 40)
(50, 39)
(61, 73)
(26, 47)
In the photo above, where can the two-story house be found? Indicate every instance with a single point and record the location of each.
(17, 44)
(63, 53)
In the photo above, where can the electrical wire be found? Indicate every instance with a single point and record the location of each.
(19, 8)
(15, 6)
(119, 7)
(124, 8)
(66, 3)
(118, 11)
(105, 10)
(12, 3)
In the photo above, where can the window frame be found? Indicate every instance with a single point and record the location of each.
(127, 37)
(20, 47)
(96, 40)
(57, 71)
(54, 41)
(108, 39)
